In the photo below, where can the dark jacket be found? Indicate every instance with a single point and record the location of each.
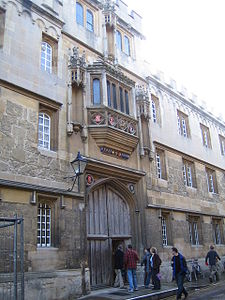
(119, 259)
(183, 265)
(146, 261)
(156, 262)
(212, 256)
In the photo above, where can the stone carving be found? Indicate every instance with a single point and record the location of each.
(143, 103)
(113, 119)
(77, 65)
(112, 69)
(109, 13)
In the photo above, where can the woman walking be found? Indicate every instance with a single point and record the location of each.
(155, 267)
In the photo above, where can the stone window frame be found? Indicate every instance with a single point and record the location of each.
(166, 225)
(206, 139)
(222, 144)
(123, 34)
(195, 229)
(2, 27)
(52, 202)
(53, 43)
(125, 89)
(217, 223)
(183, 124)
(54, 117)
(119, 40)
(126, 45)
(43, 140)
(155, 110)
(211, 180)
(160, 157)
(188, 169)
(93, 77)
(87, 8)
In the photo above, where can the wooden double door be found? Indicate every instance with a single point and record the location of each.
(108, 224)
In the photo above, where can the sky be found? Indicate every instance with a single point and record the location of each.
(186, 40)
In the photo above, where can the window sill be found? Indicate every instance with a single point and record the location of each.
(197, 246)
(211, 195)
(167, 247)
(162, 182)
(48, 153)
(47, 248)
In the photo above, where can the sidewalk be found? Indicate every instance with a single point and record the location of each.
(167, 289)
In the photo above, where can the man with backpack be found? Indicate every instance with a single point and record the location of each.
(179, 266)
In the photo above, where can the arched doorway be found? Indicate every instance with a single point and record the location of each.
(108, 224)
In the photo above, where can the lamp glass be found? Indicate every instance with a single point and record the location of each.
(79, 164)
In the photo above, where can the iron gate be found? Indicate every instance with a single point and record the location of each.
(11, 258)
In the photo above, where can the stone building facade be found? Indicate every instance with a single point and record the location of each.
(72, 79)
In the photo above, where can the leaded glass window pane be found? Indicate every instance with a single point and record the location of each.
(164, 231)
(119, 40)
(44, 225)
(127, 103)
(46, 57)
(109, 93)
(114, 96)
(121, 100)
(158, 162)
(126, 45)
(90, 21)
(44, 131)
(96, 92)
(154, 114)
(79, 14)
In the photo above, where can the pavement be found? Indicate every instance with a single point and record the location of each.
(167, 290)
(214, 291)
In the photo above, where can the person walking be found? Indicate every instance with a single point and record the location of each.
(155, 262)
(179, 266)
(146, 262)
(119, 256)
(213, 258)
(130, 260)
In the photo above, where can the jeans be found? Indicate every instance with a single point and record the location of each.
(148, 278)
(180, 284)
(132, 279)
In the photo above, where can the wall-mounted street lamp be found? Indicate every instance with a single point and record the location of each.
(78, 165)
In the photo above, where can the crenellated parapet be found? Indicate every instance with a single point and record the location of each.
(184, 100)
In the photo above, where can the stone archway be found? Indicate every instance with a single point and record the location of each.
(108, 221)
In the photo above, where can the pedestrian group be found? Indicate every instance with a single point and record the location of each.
(126, 266)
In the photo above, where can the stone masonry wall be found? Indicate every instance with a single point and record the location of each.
(19, 154)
